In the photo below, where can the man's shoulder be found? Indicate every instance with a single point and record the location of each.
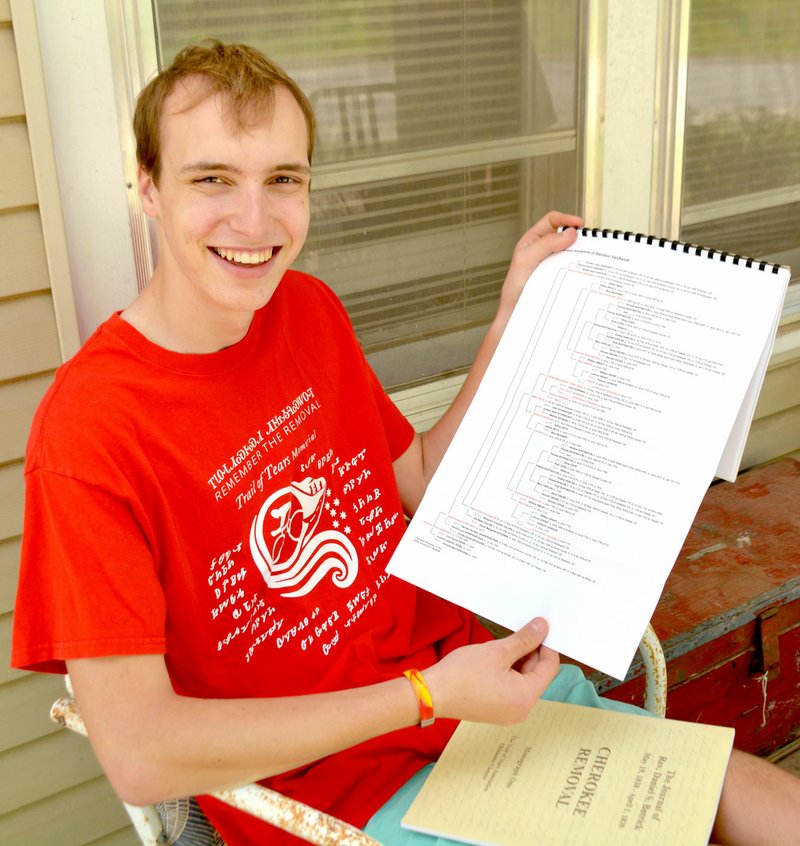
(83, 396)
(98, 362)
(305, 297)
(299, 285)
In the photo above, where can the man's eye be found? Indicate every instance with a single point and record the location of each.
(209, 180)
(285, 180)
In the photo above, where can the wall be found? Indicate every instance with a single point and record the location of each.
(51, 788)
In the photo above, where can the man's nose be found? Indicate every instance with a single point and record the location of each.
(253, 214)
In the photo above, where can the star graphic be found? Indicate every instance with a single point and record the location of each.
(335, 524)
(343, 514)
(347, 530)
(336, 502)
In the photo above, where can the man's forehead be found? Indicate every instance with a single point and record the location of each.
(214, 124)
(193, 92)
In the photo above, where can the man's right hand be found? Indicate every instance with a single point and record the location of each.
(495, 682)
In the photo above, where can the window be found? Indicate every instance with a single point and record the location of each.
(741, 188)
(446, 128)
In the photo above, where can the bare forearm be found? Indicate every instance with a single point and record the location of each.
(265, 737)
(156, 745)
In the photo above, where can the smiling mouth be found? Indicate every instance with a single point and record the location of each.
(245, 258)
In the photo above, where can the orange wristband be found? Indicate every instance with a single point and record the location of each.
(424, 700)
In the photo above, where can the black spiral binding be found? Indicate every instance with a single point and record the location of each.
(720, 255)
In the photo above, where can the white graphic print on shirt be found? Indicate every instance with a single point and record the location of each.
(285, 549)
(303, 574)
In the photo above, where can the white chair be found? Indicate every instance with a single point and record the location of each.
(157, 825)
(655, 668)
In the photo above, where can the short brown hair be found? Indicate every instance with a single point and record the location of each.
(244, 75)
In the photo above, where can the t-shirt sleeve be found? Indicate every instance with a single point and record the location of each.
(399, 432)
(88, 585)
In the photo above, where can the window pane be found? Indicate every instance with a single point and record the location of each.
(741, 187)
(445, 128)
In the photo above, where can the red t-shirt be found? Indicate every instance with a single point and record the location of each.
(235, 512)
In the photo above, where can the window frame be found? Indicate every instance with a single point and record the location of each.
(630, 138)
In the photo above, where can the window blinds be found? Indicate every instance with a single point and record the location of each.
(446, 127)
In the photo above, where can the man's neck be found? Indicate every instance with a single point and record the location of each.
(179, 327)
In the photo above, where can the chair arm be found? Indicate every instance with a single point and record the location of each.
(655, 697)
(65, 712)
(295, 817)
(279, 810)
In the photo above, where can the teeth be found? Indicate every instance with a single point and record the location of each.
(244, 257)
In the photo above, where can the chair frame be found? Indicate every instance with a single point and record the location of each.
(655, 667)
(285, 813)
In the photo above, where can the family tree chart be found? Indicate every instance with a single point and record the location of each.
(625, 381)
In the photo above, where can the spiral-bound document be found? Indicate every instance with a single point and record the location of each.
(624, 383)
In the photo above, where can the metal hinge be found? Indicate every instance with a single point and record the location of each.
(766, 659)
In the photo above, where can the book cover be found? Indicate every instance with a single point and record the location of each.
(572, 775)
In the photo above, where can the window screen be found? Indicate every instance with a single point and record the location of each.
(741, 188)
(446, 128)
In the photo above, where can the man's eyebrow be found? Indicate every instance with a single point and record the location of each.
(194, 167)
(298, 167)
(191, 167)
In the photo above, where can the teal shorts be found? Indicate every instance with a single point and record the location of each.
(569, 685)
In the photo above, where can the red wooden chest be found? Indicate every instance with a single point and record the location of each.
(729, 616)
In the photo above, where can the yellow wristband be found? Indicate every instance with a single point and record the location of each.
(424, 700)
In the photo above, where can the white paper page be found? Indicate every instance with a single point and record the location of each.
(732, 454)
(573, 480)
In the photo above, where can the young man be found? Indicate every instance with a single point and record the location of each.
(216, 483)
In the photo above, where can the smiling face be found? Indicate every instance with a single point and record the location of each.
(232, 211)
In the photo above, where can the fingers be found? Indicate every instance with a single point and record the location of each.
(543, 238)
(549, 225)
(537, 243)
(552, 221)
(521, 643)
(527, 652)
(495, 682)
(543, 663)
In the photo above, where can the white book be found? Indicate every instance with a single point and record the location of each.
(576, 776)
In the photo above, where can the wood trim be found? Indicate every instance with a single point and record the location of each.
(44, 164)
(773, 436)
(787, 344)
(781, 390)
(424, 404)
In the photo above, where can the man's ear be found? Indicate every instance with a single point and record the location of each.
(148, 191)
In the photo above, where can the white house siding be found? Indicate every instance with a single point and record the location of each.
(51, 788)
